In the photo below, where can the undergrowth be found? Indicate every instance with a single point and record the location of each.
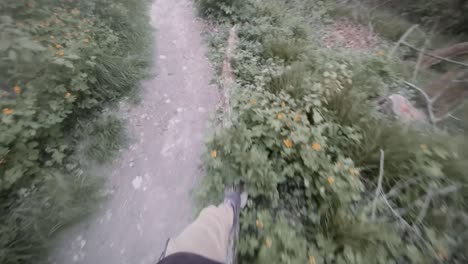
(62, 64)
(309, 145)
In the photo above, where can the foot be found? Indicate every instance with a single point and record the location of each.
(236, 199)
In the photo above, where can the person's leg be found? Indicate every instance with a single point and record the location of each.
(207, 236)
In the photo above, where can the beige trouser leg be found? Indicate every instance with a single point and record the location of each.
(207, 236)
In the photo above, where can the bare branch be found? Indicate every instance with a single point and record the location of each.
(402, 39)
(421, 55)
(378, 191)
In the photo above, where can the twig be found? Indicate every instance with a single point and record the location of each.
(378, 191)
(421, 55)
(407, 225)
(419, 61)
(379, 5)
(450, 114)
(428, 102)
(399, 186)
(427, 201)
(432, 55)
(454, 117)
(423, 212)
(459, 81)
(396, 213)
(402, 39)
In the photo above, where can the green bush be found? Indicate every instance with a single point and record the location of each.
(305, 141)
(61, 63)
(219, 9)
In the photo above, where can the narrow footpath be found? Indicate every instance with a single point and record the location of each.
(151, 183)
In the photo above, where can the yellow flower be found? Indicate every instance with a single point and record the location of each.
(60, 53)
(280, 116)
(17, 89)
(330, 180)
(289, 123)
(380, 53)
(311, 260)
(214, 154)
(288, 143)
(283, 104)
(58, 46)
(268, 243)
(253, 101)
(259, 224)
(354, 171)
(86, 40)
(316, 146)
(297, 118)
(339, 165)
(423, 146)
(67, 95)
(7, 111)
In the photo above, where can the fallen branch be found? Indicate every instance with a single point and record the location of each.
(451, 51)
(432, 55)
(378, 191)
(402, 39)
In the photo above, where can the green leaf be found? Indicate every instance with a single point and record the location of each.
(28, 44)
(12, 55)
(12, 175)
(4, 44)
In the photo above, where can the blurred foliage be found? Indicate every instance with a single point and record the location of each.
(305, 141)
(61, 63)
(450, 15)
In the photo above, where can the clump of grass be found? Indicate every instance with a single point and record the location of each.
(285, 49)
(32, 215)
(108, 137)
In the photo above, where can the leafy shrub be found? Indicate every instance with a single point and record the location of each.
(305, 141)
(450, 15)
(60, 64)
(233, 9)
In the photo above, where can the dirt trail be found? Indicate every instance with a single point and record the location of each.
(152, 181)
